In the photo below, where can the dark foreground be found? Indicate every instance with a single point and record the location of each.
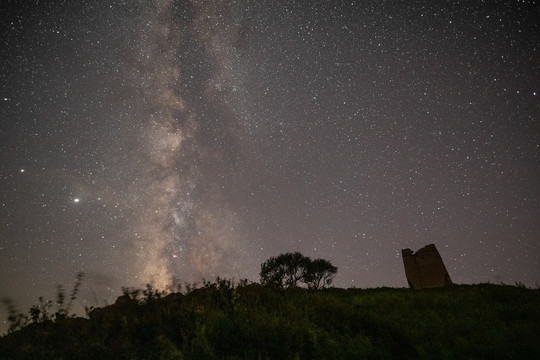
(223, 321)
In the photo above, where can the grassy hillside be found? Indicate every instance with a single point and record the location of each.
(223, 321)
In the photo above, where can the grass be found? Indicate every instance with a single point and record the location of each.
(223, 320)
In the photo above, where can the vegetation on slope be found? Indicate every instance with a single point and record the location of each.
(223, 320)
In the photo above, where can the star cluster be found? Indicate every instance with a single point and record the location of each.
(151, 141)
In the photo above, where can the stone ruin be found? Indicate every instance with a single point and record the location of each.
(425, 268)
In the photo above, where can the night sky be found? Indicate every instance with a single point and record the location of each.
(142, 141)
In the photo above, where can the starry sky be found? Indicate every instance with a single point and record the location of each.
(169, 140)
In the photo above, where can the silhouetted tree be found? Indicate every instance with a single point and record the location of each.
(273, 271)
(296, 267)
(320, 273)
(291, 268)
(285, 269)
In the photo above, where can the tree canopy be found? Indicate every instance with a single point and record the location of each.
(321, 273)
(290, 269)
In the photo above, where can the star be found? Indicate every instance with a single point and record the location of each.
(177, 128)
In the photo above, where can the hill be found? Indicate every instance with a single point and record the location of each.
(249, 321)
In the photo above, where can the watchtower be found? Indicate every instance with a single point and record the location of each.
(425, 268)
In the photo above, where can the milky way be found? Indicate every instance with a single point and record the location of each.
(174, 234)
(174, 141)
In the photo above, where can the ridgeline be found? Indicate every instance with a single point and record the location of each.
(223, 320)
